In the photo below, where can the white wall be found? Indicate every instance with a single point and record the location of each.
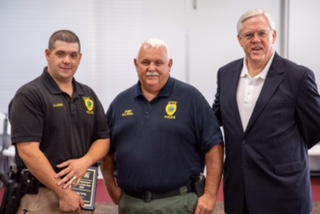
(110, 33)
(304, 30)
(25, 30)
(201, 39)
(213, 38)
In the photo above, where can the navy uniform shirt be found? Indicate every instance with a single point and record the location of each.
(160, 144)
(65, 126)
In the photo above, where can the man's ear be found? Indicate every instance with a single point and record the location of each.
(239, 40)
(274, 36)
(47, 53)
(170, 63)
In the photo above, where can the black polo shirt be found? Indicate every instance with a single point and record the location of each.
(65, 126)
(160, 144)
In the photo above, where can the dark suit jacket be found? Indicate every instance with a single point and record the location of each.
(267, 164)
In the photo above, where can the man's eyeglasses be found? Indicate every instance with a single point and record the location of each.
(261, 34)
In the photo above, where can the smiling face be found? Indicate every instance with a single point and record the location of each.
(63, 61)
(257, 40)
(153, 66)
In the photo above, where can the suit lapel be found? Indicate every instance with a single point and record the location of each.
(234, 81)
(273, 80)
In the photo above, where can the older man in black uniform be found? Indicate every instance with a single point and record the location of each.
(163, 133)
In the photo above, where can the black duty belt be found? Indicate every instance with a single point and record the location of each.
(149, 195)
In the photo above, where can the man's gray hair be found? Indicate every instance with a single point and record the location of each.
(253, 13)
(155, 44)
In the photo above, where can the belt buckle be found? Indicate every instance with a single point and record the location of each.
(147, 196)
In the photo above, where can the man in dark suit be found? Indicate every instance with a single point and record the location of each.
(269, 108)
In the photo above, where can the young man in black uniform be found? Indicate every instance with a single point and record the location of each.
(58, 128)
(163, 133)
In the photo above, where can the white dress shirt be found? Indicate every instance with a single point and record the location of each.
(249, 90)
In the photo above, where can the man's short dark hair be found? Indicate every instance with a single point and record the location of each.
(64, 36)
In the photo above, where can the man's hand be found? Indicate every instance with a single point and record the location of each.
(206, 204)
(72, 173)
(71, 202)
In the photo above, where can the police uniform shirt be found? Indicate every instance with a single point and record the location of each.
(65, 126)
(160, 144)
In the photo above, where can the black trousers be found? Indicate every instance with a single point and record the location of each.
(245, 209)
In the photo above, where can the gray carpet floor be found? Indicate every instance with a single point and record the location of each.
(108, 208)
